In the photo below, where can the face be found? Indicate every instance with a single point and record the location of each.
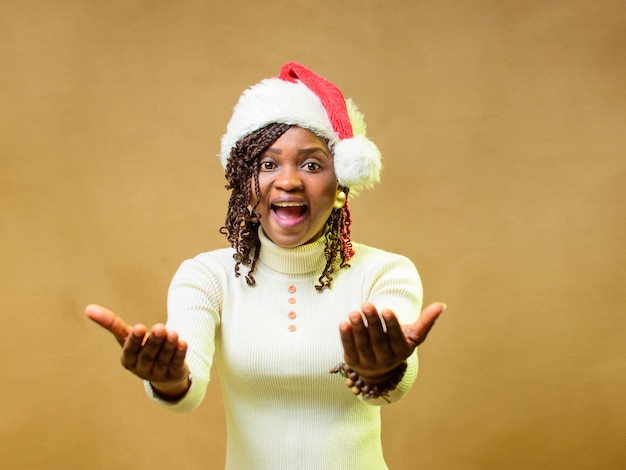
(297, 188)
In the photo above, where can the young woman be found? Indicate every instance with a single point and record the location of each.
(294, 304)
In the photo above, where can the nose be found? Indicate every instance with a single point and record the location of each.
(288, 179)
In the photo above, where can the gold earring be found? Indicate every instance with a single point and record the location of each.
(340, 200)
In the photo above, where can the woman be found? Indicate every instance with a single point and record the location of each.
(268, 309)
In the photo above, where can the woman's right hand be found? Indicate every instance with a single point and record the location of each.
(157, 355)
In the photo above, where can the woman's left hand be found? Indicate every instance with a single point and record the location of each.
(373, 349)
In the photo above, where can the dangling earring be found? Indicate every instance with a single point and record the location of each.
(340, 200)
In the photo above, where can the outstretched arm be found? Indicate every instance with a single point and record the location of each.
(374, 349)
(157, 355)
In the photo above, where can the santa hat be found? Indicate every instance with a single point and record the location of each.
(301, 98)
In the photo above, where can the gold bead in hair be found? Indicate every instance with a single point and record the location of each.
(340, 200)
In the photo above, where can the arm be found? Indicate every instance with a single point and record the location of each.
(385, 333)
(161, 357)
(375, 353)
(194, 304)
(157, 356)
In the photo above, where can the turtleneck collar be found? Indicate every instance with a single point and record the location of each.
(302, 259)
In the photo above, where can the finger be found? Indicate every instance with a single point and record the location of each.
(378, 339)
(150, 350)
(350, 354)
(164, 357)
(362, 341)
(418, 332)
(178, 367)
(132, 347)
(398, 344)
(109, 321)
(429, 316)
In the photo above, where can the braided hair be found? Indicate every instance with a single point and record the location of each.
(243, 220)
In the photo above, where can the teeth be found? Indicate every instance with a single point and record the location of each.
(288, 204)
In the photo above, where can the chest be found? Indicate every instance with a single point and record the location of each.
(285, 330)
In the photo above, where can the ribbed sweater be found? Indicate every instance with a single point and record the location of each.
(274, 345)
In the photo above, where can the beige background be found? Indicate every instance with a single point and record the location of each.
(503, 129)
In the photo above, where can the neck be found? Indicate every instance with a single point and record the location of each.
(303, 259)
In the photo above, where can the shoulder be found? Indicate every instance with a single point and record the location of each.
(387, 280)
(223, 256)
(368, 257)
(210, 265)
(379, 267)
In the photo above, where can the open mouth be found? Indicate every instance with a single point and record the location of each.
(289, 211)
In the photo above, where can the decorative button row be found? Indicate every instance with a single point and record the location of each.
(292, 314)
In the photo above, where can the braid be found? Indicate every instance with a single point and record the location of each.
(338, 249)
(243, 220)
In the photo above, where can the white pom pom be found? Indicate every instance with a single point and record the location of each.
(357, 163)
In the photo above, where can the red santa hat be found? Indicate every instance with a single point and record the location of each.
(301, 98)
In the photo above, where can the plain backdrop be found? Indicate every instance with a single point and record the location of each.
(503, 128)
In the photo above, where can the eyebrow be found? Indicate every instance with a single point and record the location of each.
(304, 151)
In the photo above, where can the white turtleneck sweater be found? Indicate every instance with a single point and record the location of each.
(275, 344)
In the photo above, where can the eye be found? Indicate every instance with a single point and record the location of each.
(267, 165)
(312, 166)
